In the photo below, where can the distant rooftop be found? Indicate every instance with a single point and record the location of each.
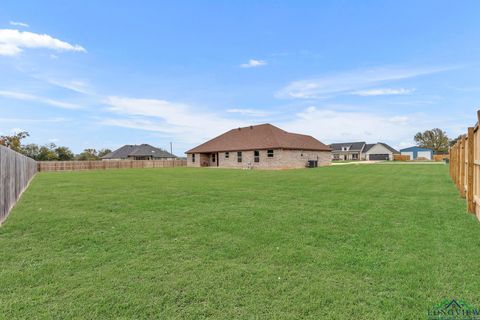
(352, 146)
(369, 146)
(142, 150)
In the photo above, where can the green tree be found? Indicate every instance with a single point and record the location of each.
(47, 153)
(103, 152)
(435, 139)
(88, 154)
(64, 154)
(14, 141)
(31, 150)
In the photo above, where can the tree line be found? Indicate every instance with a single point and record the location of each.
(48, 152)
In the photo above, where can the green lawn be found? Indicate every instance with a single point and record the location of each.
(345, 161)
(344, 242)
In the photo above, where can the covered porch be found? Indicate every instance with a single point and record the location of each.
(210, 159)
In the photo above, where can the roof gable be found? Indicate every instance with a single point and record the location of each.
(386, 146)
(353, 146)
(264, 136)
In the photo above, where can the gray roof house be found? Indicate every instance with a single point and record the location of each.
(347, 150)
(362, 151)
(139, 152)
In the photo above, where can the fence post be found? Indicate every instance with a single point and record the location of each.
(454, 162)
(461, 162)
(470, 159)
(459, 169)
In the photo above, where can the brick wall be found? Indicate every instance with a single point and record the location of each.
(282, 159)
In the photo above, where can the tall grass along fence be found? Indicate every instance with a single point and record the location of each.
(16, 172)
(465, 167)
(111, 164)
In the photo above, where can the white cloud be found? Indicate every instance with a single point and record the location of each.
(31, 97)
(7, 49)
(31, 120)
(337, 126)
(405, 144)
(341, 83)
(253, 63)
(19, 24)
(383, 92)
(180, 120)
(16, 130)
(399, 119)
(74, 85)
(188, 126)
(12, 41)
(250, 112)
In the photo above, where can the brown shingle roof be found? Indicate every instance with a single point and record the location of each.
(263, 136)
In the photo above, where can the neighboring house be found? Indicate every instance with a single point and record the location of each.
(362, 151)
(379, 151)
(417, 153)
(347, 150)
(260, 146)
(139, 152)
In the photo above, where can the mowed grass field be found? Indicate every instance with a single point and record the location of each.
(347, 242)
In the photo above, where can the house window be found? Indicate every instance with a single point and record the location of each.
(354, 156)
(256, 156)
(345, 148)
(227, 155)
(193, 157)
(239, 156)
(213, 157)
(270, 153)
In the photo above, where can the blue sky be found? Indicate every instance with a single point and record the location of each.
(107, 73)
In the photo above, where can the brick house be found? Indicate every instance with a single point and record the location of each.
(261, 146)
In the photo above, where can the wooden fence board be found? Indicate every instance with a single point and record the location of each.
(470, 170)
(461, 167)
(16, 172)
(110, 164)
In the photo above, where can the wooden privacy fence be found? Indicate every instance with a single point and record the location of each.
(440, 157)
(401, 157)
(465, 167)
(110, 164)
(16, 172)
(404, 157)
